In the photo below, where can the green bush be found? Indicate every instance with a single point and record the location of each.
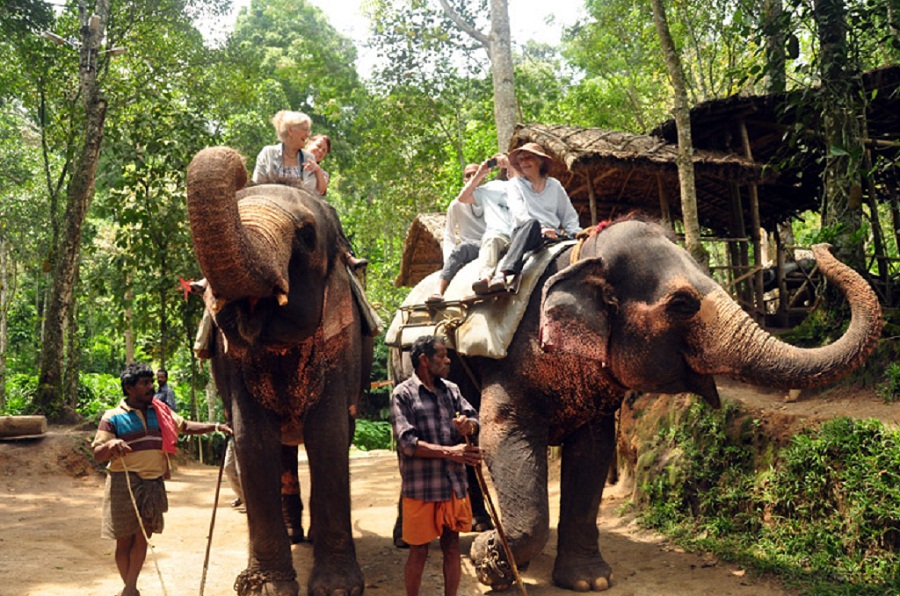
(20, 392)
(825, 511)
(889, 389)
(96, 394)
(372, 434)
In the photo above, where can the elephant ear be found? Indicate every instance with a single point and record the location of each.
(575, 310)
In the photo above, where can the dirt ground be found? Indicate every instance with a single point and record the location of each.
(50, 511)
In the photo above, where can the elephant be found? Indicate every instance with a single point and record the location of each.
(290, 352)
(627, 310)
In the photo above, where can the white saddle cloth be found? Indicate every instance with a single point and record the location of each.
(480, 328)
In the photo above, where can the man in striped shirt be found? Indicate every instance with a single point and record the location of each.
(431, 419)
(136, 438)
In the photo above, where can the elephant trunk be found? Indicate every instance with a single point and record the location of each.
(243, 250)
(729, 342)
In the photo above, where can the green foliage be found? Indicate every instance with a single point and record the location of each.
(20, 391)
(372, 434)
(96, 394)
(889, 390)
(824, 510)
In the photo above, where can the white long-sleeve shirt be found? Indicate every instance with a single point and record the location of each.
(551, 207)
(465, 223)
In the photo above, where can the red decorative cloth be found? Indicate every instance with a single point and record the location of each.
(166, 425)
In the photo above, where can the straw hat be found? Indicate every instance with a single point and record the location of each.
(532, 148)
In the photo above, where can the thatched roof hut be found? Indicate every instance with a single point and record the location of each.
(609, 172)
(422, 249)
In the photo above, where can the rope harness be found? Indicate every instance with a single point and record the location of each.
(582, 236)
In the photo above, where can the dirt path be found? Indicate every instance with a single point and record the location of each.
(50, 545)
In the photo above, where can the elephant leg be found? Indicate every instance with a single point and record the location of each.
(270, 567)
(326, 430)
(514, 439)
(585, 461)
(291, 503)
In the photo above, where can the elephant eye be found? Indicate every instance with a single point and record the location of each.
(683, 303)
(307, 236)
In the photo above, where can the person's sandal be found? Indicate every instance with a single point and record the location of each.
(482, 286)
(498, 284)
(434, 299)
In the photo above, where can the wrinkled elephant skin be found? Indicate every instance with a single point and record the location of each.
(289, 352)
(634, 313)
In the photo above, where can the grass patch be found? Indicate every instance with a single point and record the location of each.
(822, 512)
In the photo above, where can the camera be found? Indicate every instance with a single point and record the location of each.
(492, 162)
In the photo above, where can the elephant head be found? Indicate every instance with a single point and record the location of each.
(638, 304)
(265, 250)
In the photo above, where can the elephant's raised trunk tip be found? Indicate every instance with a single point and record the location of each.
(218, 161)
(734, 345)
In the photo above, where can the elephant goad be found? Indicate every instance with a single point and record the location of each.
(634, 312)
(289, 351)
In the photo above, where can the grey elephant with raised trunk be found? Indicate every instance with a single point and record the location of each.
(290, 354)
(632, 311)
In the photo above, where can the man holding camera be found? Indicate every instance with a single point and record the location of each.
(491, 198)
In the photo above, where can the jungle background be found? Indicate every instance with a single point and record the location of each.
(94, 145)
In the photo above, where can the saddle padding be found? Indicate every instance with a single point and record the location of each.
(481, 328)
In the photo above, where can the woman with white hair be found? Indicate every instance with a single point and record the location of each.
(287, 161)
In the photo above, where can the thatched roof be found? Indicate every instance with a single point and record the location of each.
(422, 249)
(634, 172)
(793, 176)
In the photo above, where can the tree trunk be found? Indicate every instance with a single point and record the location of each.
(682, 115)
(499, 49)
(129, 319)
(73, 357)
(776, 78)
(5, 296)
(80, 192)
(844, 147)
(210, 401)
(502, 72)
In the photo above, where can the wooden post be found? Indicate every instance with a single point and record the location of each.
(592, 199)
(740, 251)
(783, 317)
(18, 426)
(755, 223)
(663, 201)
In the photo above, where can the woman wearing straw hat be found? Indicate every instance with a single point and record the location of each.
(540, 209)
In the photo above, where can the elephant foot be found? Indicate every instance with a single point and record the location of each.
(256, 582)
(582, 573)
(347, 581)
(491, 564)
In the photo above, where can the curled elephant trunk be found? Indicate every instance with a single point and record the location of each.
(728, 342)
(243, 248)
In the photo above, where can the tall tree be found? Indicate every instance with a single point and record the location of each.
(498, 45)
(843, 140)
(79, 193)
(682, 114)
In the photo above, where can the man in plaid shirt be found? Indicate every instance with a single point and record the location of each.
(431, 420)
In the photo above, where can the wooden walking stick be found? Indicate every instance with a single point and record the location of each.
(212, 521)
(479, 474)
